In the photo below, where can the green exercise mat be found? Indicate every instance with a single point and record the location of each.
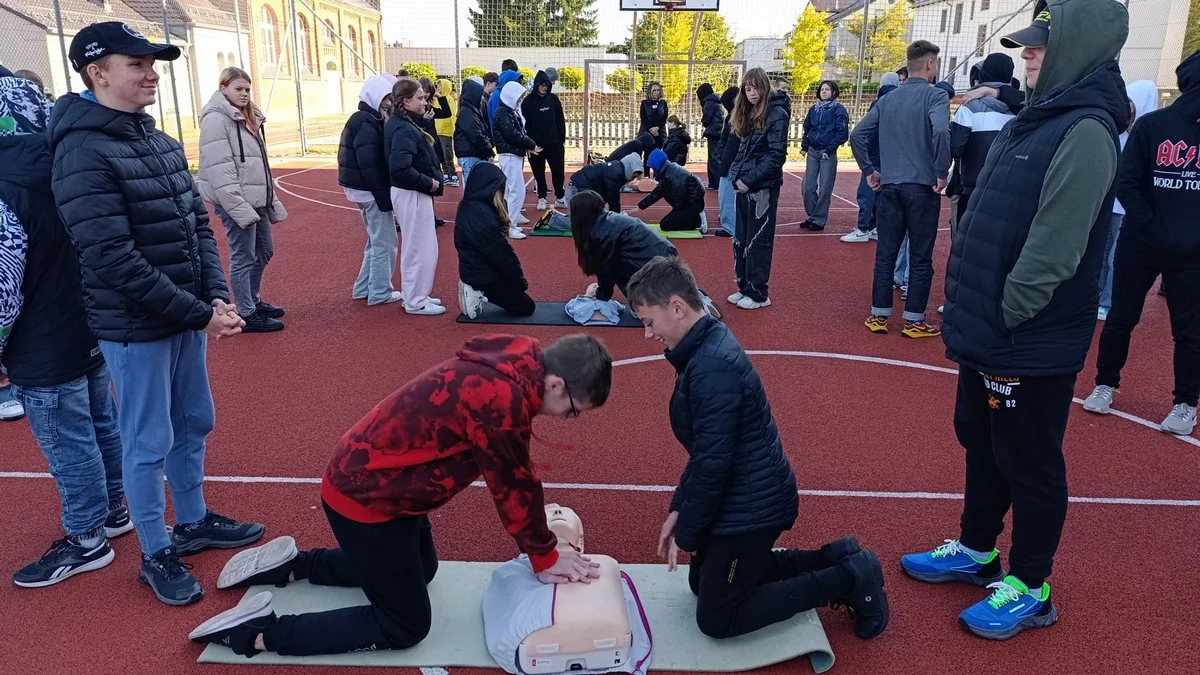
(675, 234)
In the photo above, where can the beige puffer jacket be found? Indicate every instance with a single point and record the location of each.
(234, 172)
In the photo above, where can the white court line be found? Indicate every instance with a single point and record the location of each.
(835, 194)
(860, 494)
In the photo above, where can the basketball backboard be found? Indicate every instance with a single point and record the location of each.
(661, 5)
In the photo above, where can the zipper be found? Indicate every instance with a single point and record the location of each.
(189, 232)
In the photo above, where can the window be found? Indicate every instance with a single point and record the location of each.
(221, 62)
(329, 33)
(945, 15)
(778, 54)
(972, 9)
(352, 38)
(370, 49)
(305, 44)
(270, 38)
(981, 38)
(953, 66)
(229, 59)
(958, 18)
(985, 5)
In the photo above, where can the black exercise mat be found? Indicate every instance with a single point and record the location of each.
(546, 314)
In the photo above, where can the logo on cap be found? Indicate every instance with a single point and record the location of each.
(1043, 17)
(133, 31)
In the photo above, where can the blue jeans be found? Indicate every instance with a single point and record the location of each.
(912, 210)
(1106, 268)
(75, 426)
(468, 163)
(166, 413)
(900, 278)
(727, 202)
(866, 205)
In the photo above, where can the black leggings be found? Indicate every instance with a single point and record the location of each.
(685, 217)
(509, 299)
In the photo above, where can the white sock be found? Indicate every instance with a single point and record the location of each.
(977, 556)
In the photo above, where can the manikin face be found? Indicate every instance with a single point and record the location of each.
(566, 525)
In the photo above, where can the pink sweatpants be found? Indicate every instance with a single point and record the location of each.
(418, 245)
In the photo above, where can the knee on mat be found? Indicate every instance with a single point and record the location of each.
(414, 630)
(714, 624)
(431, 568)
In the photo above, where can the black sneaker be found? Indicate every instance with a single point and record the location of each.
(118, 522)
(239, 626)
(722, 232)
(868, 603)
(267, 309)
(837, 551)
(64, 559)
(215, 531)
(170, 578)
(259, 322)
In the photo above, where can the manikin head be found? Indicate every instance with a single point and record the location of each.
(566, 525)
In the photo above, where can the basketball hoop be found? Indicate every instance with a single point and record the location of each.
(670, 5)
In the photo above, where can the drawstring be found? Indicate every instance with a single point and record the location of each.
(241, 149)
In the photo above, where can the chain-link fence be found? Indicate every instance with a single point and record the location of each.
(308, 59)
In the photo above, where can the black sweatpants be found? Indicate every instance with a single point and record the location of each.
(392, 562)
(742, 585)
(754, 241)
(1135, 267)
(683, 217)
(509, 299)
(556, 158)
(1012, 430)
(714, 162)
(912, 209)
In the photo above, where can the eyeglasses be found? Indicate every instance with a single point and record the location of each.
(574, 412)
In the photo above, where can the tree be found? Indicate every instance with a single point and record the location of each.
(570, 78)
(537, 23)
(419, 70)
(804, 50)
(619, 79)
(887, 42)
(713, 43)
(472, 71)
(1191, 36)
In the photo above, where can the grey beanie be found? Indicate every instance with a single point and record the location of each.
(633, 164)
(552, 74)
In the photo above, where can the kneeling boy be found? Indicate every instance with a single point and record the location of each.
(469, 415)
(737, 494)
(682, 190)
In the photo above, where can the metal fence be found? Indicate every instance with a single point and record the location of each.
(308, 58)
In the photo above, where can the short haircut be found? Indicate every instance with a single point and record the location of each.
(491, 77)
(902, 71)
(919, 51)
(102, 63)
(661, 279)
(508, 64)
(674, 119)
(583, 362)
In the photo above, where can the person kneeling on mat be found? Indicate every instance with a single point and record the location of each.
(469, 416)
(737, 494)
(681, 189)
(606, 179)
(488, 267)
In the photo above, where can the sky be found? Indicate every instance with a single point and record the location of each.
(428, 23)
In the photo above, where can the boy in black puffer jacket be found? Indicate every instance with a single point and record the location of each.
(678, 142)
(737, 494)
(682, 190)
(488, 267)
(154, 290)
(713, 120)
(472, 136)
(547, 126)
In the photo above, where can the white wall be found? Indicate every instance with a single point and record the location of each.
(760, 53)
(1155, 45)
(21, 46)
(54, 52)
(535, 58)
(207, 44)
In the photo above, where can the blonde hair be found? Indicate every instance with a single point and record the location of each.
(750, 118)
(404, 89)
(228, 76)
(501, 206)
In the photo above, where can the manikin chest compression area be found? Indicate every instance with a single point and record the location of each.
(536, 628)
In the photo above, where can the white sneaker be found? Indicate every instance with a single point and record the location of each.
(430, 309)
(1102, 314)
(516, 233)
(747, 303)
(1181, 421)
(541, 205)
(560, 203)
(1101, 400)
(11, 410)
(941, 309)
(703, 223)
(857, 236)
(470, 301)
(735, 298)
(522, 220)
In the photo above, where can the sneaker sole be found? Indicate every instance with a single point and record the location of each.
(250, 562)
(114, 532)
(1030, 622)
(198, 545)
(194, 598)
(1178, 432)
(954, 577)
(877, 577)
(254, 607)
(102, 561)
(917, 336)
(1095, 410)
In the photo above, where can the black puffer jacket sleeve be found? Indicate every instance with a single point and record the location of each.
(406, 157)
(362, 159)
(760, 158)
(509, 133)
(713, 117)
(94, 209)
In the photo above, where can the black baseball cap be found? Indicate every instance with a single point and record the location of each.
(1036, 34)
(115, 37)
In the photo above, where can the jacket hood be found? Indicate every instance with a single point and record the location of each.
(780, 99)
(886, 89)
(729, 98)
(73, 112)
(218, 104)
(518, 358)
(540, 78)
(472, 94)
(1188, 73)
(486, 179)
(23, 108)
(374, 90)
(1084, 36)
(510, 95)
(632, 164)
(704, 91)
(506, 77)
(444, 87)
(1102, 88)
(996, 68)
(889, 80)
(1144, 95)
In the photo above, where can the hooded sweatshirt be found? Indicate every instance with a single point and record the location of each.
(44, 336)
(1158, 184)
(472, 134)
(1144, 96)
(729, 140)
(362, 152)
(544, 119)
(485, 256)
(509, 128)
(976, 125)
(445, 125)
(467, 417)
(713, 117)
(494, 101)
(608, 178)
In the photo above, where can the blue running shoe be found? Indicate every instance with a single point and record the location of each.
(1010, 609)
(951, 563)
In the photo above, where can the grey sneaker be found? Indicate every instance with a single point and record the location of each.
(470, 301)
(1101, 400)
(1181, 421)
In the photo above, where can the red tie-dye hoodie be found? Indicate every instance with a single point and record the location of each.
(468, 416)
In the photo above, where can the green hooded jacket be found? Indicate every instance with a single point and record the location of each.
(1084, 36)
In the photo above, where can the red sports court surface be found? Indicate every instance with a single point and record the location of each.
(866, 421)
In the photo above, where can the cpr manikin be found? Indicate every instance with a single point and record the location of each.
(591, 627)
(534, 628)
